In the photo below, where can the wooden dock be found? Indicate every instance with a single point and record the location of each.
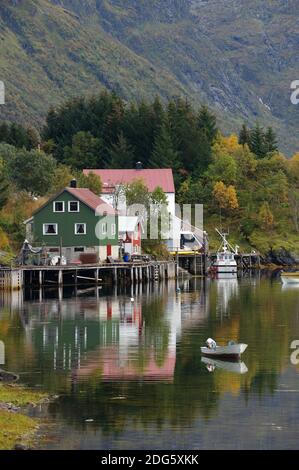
(196, 263)
(73, 275)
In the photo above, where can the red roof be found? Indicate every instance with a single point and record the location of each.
(152, 178)
(91, 200)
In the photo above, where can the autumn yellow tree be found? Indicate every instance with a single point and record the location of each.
(4, 242)
(229, 144)
(225, 196)
(266, 217)
(293, 167)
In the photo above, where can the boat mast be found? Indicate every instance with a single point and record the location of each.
(225, 244)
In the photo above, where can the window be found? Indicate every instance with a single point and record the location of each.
(58, 206)
(80, 229)
(113, 229)
(104, 228)
(73, 206)
(78, 249)
(50, 229)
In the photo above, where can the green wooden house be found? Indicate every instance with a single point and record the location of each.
(78, 221)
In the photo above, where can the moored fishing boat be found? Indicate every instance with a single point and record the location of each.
(225, 261)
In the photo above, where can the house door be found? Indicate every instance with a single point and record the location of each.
(109, 250)
(68, 254)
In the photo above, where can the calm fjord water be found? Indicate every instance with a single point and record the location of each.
(129, 375)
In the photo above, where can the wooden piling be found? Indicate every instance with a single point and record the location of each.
(60, 277)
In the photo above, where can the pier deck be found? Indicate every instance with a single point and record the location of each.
(128, 272)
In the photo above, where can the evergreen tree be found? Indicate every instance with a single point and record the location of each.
(191, 143)
(271, 141)
(206, 122)
(4, 132)
(121, 154)
(164, 155)
(17, 136)
(244, 135)
(4, 189)
(86, 151)
(257, 142)
(201, 154)
(158, 111)
(113, 125)
(33, 138)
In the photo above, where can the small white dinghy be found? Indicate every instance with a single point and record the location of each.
(232, 350)
(290, 277)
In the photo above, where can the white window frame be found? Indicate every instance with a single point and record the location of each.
(69, 205)
(104, 228)
(63, 206)
(75, 228)
(50, 223)
(113, 229)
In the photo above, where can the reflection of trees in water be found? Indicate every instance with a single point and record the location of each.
(266, 325)
(17, 351)
(263, 316)
(147, 404)
(155, 333)
(264, 381)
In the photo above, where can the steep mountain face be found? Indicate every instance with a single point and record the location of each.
(240, 57)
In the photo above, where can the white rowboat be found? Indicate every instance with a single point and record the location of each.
(231, 350)
(290, 278)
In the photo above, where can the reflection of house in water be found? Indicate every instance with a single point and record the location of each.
(2, 353)
(194, 303)
(11, 300)
(101, 335)
(10, 303)
(131, 358)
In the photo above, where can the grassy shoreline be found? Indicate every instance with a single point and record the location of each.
(16, 428)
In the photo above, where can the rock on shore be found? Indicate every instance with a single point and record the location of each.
(281, 257)
(8, 376)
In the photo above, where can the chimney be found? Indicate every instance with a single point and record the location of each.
(73, 183)
(139, 166)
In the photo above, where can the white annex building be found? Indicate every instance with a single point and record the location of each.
(114, 179)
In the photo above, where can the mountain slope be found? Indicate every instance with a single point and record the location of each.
(48, 55)
(240, 57)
